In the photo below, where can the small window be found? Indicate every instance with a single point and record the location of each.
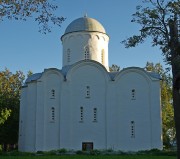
(133, 94)
(132, 129)
(86, 53)
(87, 91)
(81, 114)
(53, 92)
(52, 114)
(68, 55)
(95, 115)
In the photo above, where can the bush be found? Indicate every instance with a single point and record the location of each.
(40, 152)
(62, 151)
(16, 153)
(95, 152)
(79, 152)
(1, 148)
(122, 152)
(158, 152)
(52, 152)
(110, 150)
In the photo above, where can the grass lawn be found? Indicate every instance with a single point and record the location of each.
(91, 157)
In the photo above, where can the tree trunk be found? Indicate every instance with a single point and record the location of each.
(175, 62)
(176, 104)
(176, 100)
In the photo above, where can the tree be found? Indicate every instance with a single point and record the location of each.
(166, 103)
(114, 68)
(10, 85)
(29, 73)
(42, 10)
(159, 20)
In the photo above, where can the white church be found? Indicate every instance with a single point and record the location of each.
(83, 106)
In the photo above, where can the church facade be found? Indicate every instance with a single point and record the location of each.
(83, 106)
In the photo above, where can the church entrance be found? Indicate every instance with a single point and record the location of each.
(87, 146)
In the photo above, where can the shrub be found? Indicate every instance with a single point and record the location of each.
(16, 153)
(40, 152)
(52, 152)
(1, 148)
(95, 152)
(110, 150)
(62, 151)
(79, 152)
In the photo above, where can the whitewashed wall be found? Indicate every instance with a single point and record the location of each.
(115, 110)
(22, 119)
(87, 130)
(77, 41)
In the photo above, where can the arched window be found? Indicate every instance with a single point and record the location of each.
(68, 55)
(86, 53)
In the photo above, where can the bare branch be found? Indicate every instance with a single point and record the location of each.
(41, 10)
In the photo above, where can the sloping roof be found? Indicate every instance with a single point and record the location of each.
(154, 75)
(33, 77)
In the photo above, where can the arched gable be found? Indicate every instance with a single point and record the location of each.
(89, 63)
(136, 96)
(50, 71)
(136, 70)
(49, 102)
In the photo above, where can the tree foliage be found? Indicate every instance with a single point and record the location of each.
(160, 21)
(156, 18)
(29, 73)
(42, 10)
(169, 133)
(10, 85)
(114, 68)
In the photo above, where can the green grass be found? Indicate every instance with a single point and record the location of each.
(94, 154)
(91, 157)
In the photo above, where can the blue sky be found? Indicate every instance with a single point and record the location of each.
(23, 48)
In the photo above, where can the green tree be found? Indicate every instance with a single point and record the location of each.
(10, 85)
(159, 20)
(41, 10)
(166, 103)
(29, 73)
(114, 68)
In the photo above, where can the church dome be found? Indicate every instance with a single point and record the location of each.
(85, 24)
